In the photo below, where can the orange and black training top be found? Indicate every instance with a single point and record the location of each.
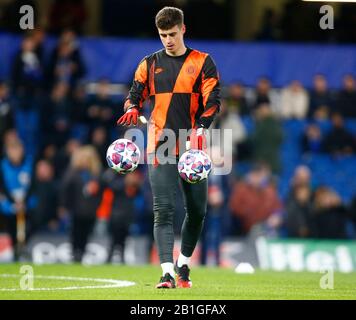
(183, 92)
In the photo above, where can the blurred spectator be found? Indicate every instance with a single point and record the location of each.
(66, 64)
(352, 211)
(121, 209)
(6, 112)
(263, 92)
(39, 35)
(78, 112)
(290, 25)
(48, 152)
(298, 203)
(101, 108)
(228, 119)
(339, 141)
(66, 14)
(80, 196)
(301, 178)
(56, 115)
(346, 99)
(16, 188)
(60, 157)
(99, 140)
(269, 27)
(27, 89)
(329, 218)
(10, 137)
(27, 74)
(312, 140)
(46, 190)
(321, 101)
(266, 138)
(294, 101)
(237, 100)
(254, 200)
(298, 212)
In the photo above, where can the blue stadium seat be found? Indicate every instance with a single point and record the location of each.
(248, 122)
(337, 173)
(350, 124)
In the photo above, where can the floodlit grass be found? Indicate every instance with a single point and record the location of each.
(208, 284)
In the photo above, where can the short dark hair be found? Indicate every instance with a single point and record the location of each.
(168, 17)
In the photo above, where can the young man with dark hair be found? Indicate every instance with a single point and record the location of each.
(182, 85)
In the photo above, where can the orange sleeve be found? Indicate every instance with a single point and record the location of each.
(139, 89)
(210, 90)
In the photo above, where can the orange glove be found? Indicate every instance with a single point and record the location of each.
(130, 117)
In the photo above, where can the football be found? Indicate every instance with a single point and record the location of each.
(123, 156)
(194, 166)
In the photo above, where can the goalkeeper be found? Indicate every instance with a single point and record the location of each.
(182, 85)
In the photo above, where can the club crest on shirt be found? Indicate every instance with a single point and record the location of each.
(158, 70)
(190, 70)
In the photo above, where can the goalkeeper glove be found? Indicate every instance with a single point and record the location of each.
(130, 116)
(198, 138)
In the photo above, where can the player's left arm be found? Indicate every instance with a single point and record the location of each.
(210, 90)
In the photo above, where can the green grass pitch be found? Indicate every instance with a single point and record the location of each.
(208, 284)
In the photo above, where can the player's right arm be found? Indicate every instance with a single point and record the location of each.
(137, 95)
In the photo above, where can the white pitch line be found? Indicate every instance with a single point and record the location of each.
(111, 283)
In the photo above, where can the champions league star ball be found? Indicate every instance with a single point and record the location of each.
(123, 156)
(194, 166)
